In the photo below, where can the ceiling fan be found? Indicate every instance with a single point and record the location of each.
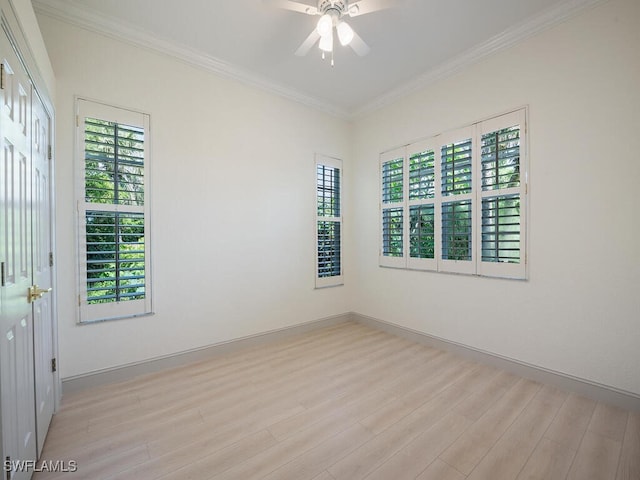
(331, 14)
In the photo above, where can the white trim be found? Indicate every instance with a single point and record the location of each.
(334, 280)
(510, 37)
(116, 29)
(90, 313)
(82, 17)
(594, 390)
(128, 371)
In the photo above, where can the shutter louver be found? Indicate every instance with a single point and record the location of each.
(114, 163)
(329, 222)
(329, 249)
(456, 160)
(457, 230)
(501, 229)
(422, 175)
(115, 256)
(422, 231)
(392, 232)
(501, 159)
(392, 181)
(328, 190)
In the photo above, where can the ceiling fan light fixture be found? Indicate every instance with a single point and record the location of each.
(326, 42)
(345, 33)
(325, 25)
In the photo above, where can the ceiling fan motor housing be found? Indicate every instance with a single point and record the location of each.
(340, 7)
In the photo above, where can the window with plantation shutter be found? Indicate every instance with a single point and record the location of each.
(328, 222)
(392, 208)
(112, 165)
(421, 164)
(456, 202)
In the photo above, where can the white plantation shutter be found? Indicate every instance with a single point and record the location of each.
(423, 178)
(457, 151)
(502, 205)
(457, 202)
(113, 212)
(328, 222)
(392, 208)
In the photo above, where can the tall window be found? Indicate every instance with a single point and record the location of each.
(112, 171)
(456, 202)
(328, 222)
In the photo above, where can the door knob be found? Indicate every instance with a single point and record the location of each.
(35, 293)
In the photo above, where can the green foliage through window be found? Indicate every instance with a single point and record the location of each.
(392, 178)
(392, 232)
(115, 238)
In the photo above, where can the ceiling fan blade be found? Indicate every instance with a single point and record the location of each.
(367, 6)
(292, 5)
(358, 45)
(311, 40)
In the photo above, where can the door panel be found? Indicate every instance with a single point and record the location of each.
(42, 271)
(17, 377)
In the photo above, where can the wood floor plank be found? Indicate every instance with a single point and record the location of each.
(629, 466)
(472, 446)
(341, 402)
(597, 458)
(438, 470)
(608, 421)
(418, 454)
(549, 461)
(318, 459)
(571, 422)
(372, 454)
(510, 453)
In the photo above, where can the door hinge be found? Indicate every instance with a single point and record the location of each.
(49, 153)
(51, 259)
(1, 76)
(54, 366)
(2, 280)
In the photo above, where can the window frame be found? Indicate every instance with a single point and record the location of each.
(330, 280)
(474, 266)
(98, 312)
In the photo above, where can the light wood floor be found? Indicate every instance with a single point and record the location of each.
(343, 402)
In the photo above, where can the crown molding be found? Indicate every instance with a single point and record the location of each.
(71, 13)
(107, 26)
(546, 19)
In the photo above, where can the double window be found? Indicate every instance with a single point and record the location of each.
(328, 222)
(113, 218)
(456, 202)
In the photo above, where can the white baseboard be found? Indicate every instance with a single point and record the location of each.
(587, 388)
(129, 371)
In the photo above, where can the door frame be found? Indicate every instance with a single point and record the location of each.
(10, 23)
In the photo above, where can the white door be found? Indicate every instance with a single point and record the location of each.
(42, 271)
(17, 398)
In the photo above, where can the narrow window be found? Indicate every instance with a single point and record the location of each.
(113, 212)
(328, 222)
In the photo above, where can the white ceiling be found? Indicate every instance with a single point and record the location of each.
(411, 44)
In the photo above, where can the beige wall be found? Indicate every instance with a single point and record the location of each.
(579, 313)
(233, 202)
